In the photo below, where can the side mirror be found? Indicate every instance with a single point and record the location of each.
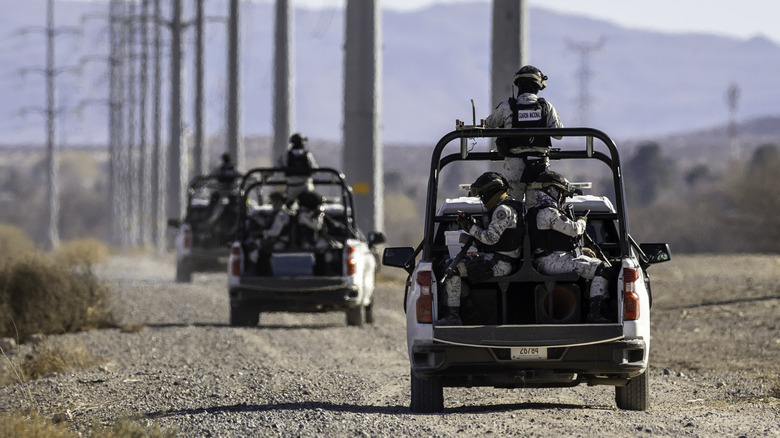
(376, 238)
(173, 222)
(398, 257)
(656, 252)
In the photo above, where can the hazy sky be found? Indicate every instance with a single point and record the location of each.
(740, 18)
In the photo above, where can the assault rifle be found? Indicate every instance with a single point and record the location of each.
(457, 259)
(588, 239)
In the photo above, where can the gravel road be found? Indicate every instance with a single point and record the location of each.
(714, 366)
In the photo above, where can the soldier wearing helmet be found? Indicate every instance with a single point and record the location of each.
(227, 173)
(299, 162)
(524, 157)
(556, 244)
(499, 239)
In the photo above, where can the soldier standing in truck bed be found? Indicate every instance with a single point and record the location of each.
(524, 157)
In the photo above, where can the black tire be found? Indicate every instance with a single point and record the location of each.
(635, 395)
(183, 272)
(244, 317)
(427, 395)
(356, 316)
(370, 313)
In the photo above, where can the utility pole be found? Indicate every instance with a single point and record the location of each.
(159, 161)
(199, 149)
(362, 153)
(732, 98)
(584, 73)
(177, 159)
(509, 47)
(144, 159)
(114, 124)
(132, 118)
(284, 78)
(52, 154)
(234, 143)
(50, 71)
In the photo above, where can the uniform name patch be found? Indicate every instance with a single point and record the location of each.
(529, 114)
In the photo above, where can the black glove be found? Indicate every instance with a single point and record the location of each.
(465, 222)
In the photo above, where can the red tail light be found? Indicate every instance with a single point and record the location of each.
(425, 301)
(630, 298)
(235, 259)
(351, 262)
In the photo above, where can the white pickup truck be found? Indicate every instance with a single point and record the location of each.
(528, 329)
(335, 273)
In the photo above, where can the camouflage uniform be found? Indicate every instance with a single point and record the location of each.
(549, 216)
(503, 217)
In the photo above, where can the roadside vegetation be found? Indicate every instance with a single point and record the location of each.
(48, 293)
(34, 425)
(51, 293)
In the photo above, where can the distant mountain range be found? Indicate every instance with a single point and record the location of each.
(643, 85)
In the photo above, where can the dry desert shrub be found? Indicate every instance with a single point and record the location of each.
(53, 294)
(48, 358)
(32, 425)
(82, 253)
(13, 243)
(44, 358)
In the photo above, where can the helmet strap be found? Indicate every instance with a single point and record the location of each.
(493, 201)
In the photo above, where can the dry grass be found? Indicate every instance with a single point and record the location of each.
(33, 425)
(57, 293)
(44, 358)
(133, 328)
(13, 243)
(81, 253)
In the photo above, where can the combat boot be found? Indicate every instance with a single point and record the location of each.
(450, 316)
(468, 311)
(595, 314)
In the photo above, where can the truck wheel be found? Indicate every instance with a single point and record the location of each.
(370, 313)
(183, 272)
(634, 396)
(356, 315)
(244, 317)
(427, 395)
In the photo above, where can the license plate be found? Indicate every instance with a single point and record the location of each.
(529, 353)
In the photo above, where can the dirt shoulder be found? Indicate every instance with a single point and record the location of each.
(713, 372)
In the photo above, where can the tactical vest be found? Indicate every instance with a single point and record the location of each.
(547, 241)
(512, 238)
(298, 163)
(531, 115)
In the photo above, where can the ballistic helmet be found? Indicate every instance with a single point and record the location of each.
(310, 200)
(530, 75)
(488, 185)
(554, 184)
(298, 141)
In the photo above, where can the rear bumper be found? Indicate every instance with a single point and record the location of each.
(612, 362)
(304, 294)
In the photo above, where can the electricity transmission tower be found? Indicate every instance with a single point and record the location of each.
(50, 71)
(584, 73)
